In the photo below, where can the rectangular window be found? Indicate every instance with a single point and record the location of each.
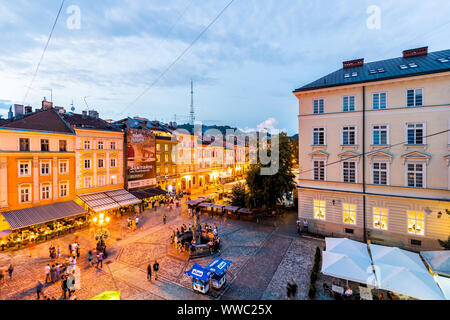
(87, 145)
(25, 193)
(101, 163)
(319, 209)
(380, 172)
(113, 179)
(319, 170)
(414, 98)
(45, 168)
(349, 136)
(45, 192)
(62, 145)
(349, 213)
(87, 182)
(113, 163)
(319, 136)
(415, 133)
(415, 175)
(166, 147)
(63, 167)
(158, 171)
(158, 147)
(63, 189)
(158, 158)
(113, 145)
(348, 103)
(380, 135)
(349, 171)
(166, 157)
(100, 145)
(24, 144)
(101, 181)
(379, 101)
(24, 169)
(318, 106)
(45, 145)
(416, 223)
(166, 170)
(380, 218)
(87, 163)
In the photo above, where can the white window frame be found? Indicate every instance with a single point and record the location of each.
(324, 207)
(318, 105)
(387, 134)
(28, 168)
(349, 212)
(324, 169)
(102, 144)
(90, 164)
(424, 174)
(88, 185)
(103, 163)
(66, 189)
(111, 163)
(103, 182)
(355, 134)
(356, 170)
(349, 98)
(41, 165)
(380, 215)
(407, 223)
(87, 145)
(111, 144)
(379, 93)
(66, 162)
(423, 96)
(324, 136)
(388, 176)
(41, 188)
(114, 180)
(25, 187)
(424, 133)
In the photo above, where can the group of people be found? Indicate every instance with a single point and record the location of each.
(155, 269)
(302, 226)
(208, 231)
(3, 271)
(54, 252)
(133, 223)
(347, 295)
(55, 273)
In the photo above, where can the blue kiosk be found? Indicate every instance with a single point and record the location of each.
(218, 268)
(200, 278)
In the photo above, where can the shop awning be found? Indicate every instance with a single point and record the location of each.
(245, 210)
(23, 218)
(155, 192)
(231, 208)
(195, 202)
(108, 200)
(438, 261)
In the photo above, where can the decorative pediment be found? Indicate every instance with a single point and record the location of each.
(319, 154)
(380, 154)
(350, 154)
(416, 155)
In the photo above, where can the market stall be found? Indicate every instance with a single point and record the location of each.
(210, 208)
(246, 214)
(200, 278)
(231, 212)
(218, 268)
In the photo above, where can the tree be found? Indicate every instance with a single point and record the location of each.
(239, 195)
(266, 191)
(445, 244)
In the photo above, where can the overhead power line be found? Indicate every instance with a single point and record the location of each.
(179, 56)
(43, 52)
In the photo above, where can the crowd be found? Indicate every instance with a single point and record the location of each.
(208, 232)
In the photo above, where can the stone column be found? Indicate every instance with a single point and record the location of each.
(3, 182)
(36, 191)
(55, 174)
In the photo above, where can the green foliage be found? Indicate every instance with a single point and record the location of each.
(314, 273)
(445, 244)
(266, 191)
(239, 195)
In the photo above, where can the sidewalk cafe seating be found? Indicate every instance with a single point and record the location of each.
(218, 268)
(200, 278)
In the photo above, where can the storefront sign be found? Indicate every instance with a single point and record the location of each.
(141, 149)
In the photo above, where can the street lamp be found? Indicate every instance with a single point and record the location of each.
(100, 221)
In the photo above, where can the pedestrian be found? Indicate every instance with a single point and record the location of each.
(94, 257)
(64, 286)
(70, 249)
(100, 259)
(149, 272)
(58, 251)
(90, 256)
(2, 275)
(156, 269)
(53, 274)
(78, 250)
(294, 289)
(164, 218)
(39, 289)
(47, 273)
(71, 283)
(10, 271)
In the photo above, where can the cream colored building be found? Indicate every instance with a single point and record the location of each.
(397, 113)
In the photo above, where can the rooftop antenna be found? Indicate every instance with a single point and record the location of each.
(87, 106)
(192, 113)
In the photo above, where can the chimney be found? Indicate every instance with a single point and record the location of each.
(84, 114)
(28, 109)
(46, 104)
(93, 114)
(353, 63)
(415, 52)
(18, 110)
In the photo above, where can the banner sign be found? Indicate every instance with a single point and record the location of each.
(141, 164)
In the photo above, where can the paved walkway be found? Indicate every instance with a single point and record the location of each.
(264, 259)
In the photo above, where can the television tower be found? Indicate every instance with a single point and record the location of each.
(192, 113)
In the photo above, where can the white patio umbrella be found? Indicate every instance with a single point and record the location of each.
(444, 284)
(345, 267)
(397, 257)
(412, 283)
(348, 247)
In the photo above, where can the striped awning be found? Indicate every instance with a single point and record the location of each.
(109, 200)
(23, 218)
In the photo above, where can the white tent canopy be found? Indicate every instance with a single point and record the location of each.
(403, 272)
(438, 261)
(444, 284)
(347, 259)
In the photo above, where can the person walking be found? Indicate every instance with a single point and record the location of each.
(294, 289)
(156, 269)
(10, 271)
(94, 257)
(90, 256)
(53, 274)
(164, 218)
(39, 289)
(47, 273)
(64, 286)
(149, 272)
(100, 259)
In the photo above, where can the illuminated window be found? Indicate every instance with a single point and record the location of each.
(114, 179)
(158, 158)
(101, 181)
(62, 145)
(166, 147)
(380, 218)
(158, 147)
(416, 223)
(349, 212)
(166, 157)
(319, 209)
